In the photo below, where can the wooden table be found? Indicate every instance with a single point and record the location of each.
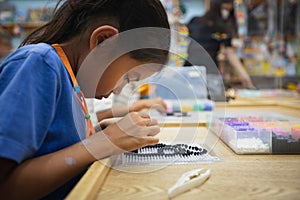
(234, 177)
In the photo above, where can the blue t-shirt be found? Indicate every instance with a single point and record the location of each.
(39, 113)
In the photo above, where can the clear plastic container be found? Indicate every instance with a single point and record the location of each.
(259, 134)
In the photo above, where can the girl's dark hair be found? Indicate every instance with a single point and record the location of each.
(74, 17)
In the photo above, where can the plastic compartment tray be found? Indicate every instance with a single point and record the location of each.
(265, 133)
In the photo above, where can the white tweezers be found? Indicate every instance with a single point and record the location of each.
(188, 181)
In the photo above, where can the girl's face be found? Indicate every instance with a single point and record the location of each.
(122, 71)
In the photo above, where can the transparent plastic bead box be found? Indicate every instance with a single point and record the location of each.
(260, 133)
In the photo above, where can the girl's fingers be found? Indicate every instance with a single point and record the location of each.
(153, 122)
(149, 122)
(144, 115)
(160, 108)
(152, 130)
(151, 140)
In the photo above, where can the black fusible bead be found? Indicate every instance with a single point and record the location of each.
(164, 151)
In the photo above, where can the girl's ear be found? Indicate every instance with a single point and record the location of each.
(100, 34)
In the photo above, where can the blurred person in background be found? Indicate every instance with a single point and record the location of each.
(214, 32)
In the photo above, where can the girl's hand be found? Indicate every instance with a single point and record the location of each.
(156, 103)
(134, 131)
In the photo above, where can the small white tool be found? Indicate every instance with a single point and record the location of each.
(188, 181)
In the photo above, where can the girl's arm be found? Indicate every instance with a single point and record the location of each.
(117, 111)
(120, 111)
(37, 177)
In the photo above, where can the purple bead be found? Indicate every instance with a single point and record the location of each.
(237, 123)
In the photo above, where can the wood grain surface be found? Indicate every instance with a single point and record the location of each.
(233, 177)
